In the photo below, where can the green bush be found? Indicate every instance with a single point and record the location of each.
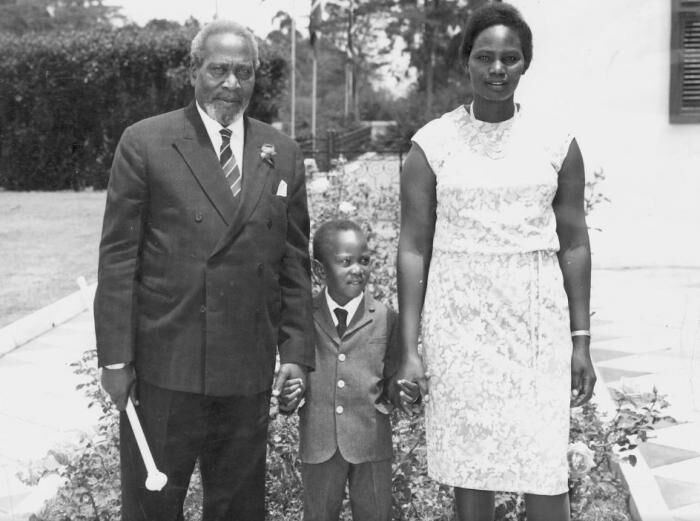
(66, 98)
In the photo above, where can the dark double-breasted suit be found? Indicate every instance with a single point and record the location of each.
(195, 288)
(199, 290)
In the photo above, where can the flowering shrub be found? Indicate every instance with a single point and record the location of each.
(90, 470)
(369, 195)
(599, 494)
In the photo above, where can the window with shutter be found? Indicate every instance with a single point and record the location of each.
(685, 62)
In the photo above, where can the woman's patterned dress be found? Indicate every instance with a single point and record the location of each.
(495, 324)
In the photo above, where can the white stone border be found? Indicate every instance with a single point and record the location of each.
(27, 328)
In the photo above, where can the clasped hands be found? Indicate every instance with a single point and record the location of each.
(410, 385)
(289, 387)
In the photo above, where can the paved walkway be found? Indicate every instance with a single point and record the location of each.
(646, 332)
(40, 409)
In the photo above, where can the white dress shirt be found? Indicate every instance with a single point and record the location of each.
(350, 307)
(213, 127)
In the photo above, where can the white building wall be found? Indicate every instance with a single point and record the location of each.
(605, 65)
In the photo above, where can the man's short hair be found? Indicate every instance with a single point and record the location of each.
(328, 230)
(199, 42)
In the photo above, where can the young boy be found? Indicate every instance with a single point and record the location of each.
(345, 433)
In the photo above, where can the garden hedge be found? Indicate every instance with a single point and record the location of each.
(65, 98)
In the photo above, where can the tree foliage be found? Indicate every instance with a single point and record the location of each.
(367, 34)
(20, 16)
(330, 80)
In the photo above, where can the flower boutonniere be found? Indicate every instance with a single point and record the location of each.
(267, 153)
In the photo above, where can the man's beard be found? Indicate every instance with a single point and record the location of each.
(224, 113)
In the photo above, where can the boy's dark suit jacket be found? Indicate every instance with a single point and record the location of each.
(195, 288)
(362, 432)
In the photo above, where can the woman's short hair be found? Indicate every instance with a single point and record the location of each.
(328, 230)
(199, 42)
(496, 13)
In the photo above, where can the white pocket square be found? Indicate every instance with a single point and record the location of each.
(282, 189)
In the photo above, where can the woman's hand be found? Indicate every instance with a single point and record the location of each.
(583, 376)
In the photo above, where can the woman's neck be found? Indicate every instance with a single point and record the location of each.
(493, 111)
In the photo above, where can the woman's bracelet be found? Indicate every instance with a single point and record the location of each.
(581, 332)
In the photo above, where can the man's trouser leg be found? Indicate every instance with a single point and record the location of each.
(228, 434)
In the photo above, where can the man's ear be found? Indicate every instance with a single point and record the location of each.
(193, 73)
(318, 270)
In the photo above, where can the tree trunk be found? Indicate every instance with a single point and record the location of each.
(350, 66)
(355, 93)
(430, 65)
(429, 79)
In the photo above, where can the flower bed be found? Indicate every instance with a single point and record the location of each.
(91, 470)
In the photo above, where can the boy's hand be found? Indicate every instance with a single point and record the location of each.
(409, 395)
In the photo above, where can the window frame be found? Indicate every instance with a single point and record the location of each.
(681, 12)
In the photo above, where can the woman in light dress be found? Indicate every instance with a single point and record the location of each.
(494, 252)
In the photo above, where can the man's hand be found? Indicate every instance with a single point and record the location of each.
(119, 384)
(289, 387)
(583, 376)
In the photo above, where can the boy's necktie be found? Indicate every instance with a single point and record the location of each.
(342, 321)
(228, 162)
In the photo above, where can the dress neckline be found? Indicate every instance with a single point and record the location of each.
(469, 110)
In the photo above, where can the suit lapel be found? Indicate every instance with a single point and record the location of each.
(363, 315)
(255, 177)
(196, 149)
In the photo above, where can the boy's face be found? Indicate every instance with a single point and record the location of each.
(345, 266)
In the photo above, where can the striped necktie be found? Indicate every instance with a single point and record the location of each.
(228, 162)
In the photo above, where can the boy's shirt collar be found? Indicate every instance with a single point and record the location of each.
(350, 307)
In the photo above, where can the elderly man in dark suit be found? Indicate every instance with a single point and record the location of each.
(203, 278)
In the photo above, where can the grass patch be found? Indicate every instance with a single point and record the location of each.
(47, 241)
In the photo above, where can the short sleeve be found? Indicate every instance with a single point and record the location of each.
(558, 146)
(429, 139)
